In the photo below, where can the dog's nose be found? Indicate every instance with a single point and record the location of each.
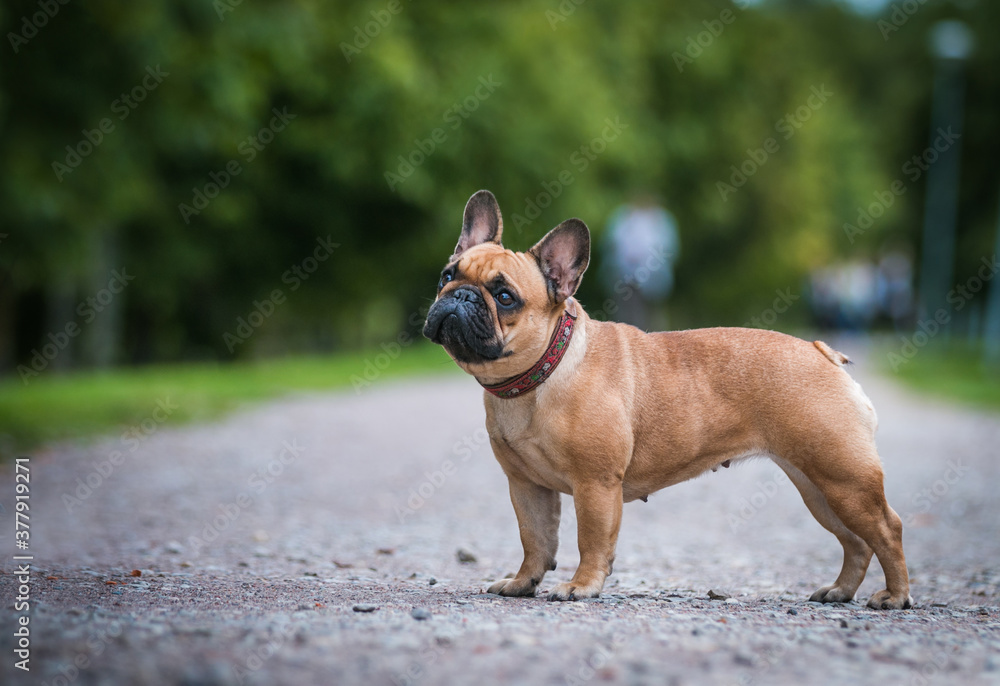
(468, 294)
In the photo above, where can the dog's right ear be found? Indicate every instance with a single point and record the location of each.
(482, 222)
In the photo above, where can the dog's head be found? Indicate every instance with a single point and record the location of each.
(496, 309)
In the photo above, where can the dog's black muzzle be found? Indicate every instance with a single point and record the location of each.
(462, 323)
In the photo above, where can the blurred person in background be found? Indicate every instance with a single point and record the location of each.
(640, 248)
(895, 287)
(855, 295)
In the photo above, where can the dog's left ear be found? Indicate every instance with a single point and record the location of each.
(563, 255)
(482, 222)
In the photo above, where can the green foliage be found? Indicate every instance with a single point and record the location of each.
(361, 103)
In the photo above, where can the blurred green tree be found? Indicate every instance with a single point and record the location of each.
(145, 137)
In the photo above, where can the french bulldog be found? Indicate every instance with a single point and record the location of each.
(608, 414)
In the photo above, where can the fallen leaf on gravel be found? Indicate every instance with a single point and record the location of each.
(386, 551)
(111, 583)
(135, 572)
(320, 605)
(342, 565)
(712, 595)
(51, 578)
(464, 556)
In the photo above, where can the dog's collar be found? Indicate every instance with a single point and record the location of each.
(536, 376)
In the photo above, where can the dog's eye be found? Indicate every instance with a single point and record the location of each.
(504, 298)
(445, 278)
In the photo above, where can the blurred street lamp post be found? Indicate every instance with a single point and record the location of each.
(991, 329)
(952, 42)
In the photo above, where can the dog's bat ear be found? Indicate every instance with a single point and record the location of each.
(482, 222)
(563, 255)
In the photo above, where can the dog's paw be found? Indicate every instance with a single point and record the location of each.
(515, 587)
(831, 594)
(883, 600)
(573, 591)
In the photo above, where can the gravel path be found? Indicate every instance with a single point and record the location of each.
(258, 539)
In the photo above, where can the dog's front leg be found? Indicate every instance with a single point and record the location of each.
(598, 516)
(537, 509)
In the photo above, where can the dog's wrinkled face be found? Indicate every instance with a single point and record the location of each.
(496, 309)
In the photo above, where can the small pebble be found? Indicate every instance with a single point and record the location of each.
(420, 614)
(792, 611)
(364, 607)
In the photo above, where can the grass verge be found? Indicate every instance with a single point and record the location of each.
(953, 371)
(54, 407)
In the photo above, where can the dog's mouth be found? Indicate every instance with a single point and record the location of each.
(462, 323)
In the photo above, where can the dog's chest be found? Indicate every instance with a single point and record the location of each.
(527, 443)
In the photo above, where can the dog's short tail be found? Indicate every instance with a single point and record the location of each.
(839, 359)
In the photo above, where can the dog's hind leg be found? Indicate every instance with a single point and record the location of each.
(848, 474)
(857, 553)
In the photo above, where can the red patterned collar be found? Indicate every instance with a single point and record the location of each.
(536, 376)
